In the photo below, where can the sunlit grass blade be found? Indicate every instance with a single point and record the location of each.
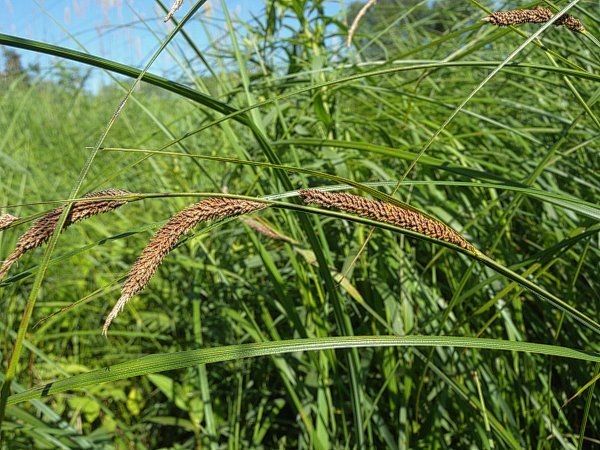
(164, 362)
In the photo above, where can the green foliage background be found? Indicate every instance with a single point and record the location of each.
(515, 170)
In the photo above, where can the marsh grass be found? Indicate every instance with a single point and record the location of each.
(497, 133)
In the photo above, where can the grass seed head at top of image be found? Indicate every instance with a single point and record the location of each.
(535, 15)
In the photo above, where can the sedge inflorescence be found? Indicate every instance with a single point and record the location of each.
(41, 231)
(535, 15)
(388, 213)
(6, 221)
(166, 238)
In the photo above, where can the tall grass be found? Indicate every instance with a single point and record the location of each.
(489, 132)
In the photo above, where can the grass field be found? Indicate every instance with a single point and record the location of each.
(297, 325)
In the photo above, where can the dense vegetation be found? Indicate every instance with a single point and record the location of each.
(510, 161)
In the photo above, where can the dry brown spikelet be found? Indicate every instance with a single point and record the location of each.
(44, 227)
(165, 239)
(267, 231)
(357, 19)
(6, 220)
(571, 23)
(176, 5)
(535, 15)
(386, 212)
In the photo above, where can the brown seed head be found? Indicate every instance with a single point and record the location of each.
(571, 23)
(6, 220)
(386, 212)
(535, 15)
(44, 227)
(167, 237)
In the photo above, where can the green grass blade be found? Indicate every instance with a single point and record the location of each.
(172, 361)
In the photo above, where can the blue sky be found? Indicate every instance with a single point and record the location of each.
(112, 28)
(100, 24)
